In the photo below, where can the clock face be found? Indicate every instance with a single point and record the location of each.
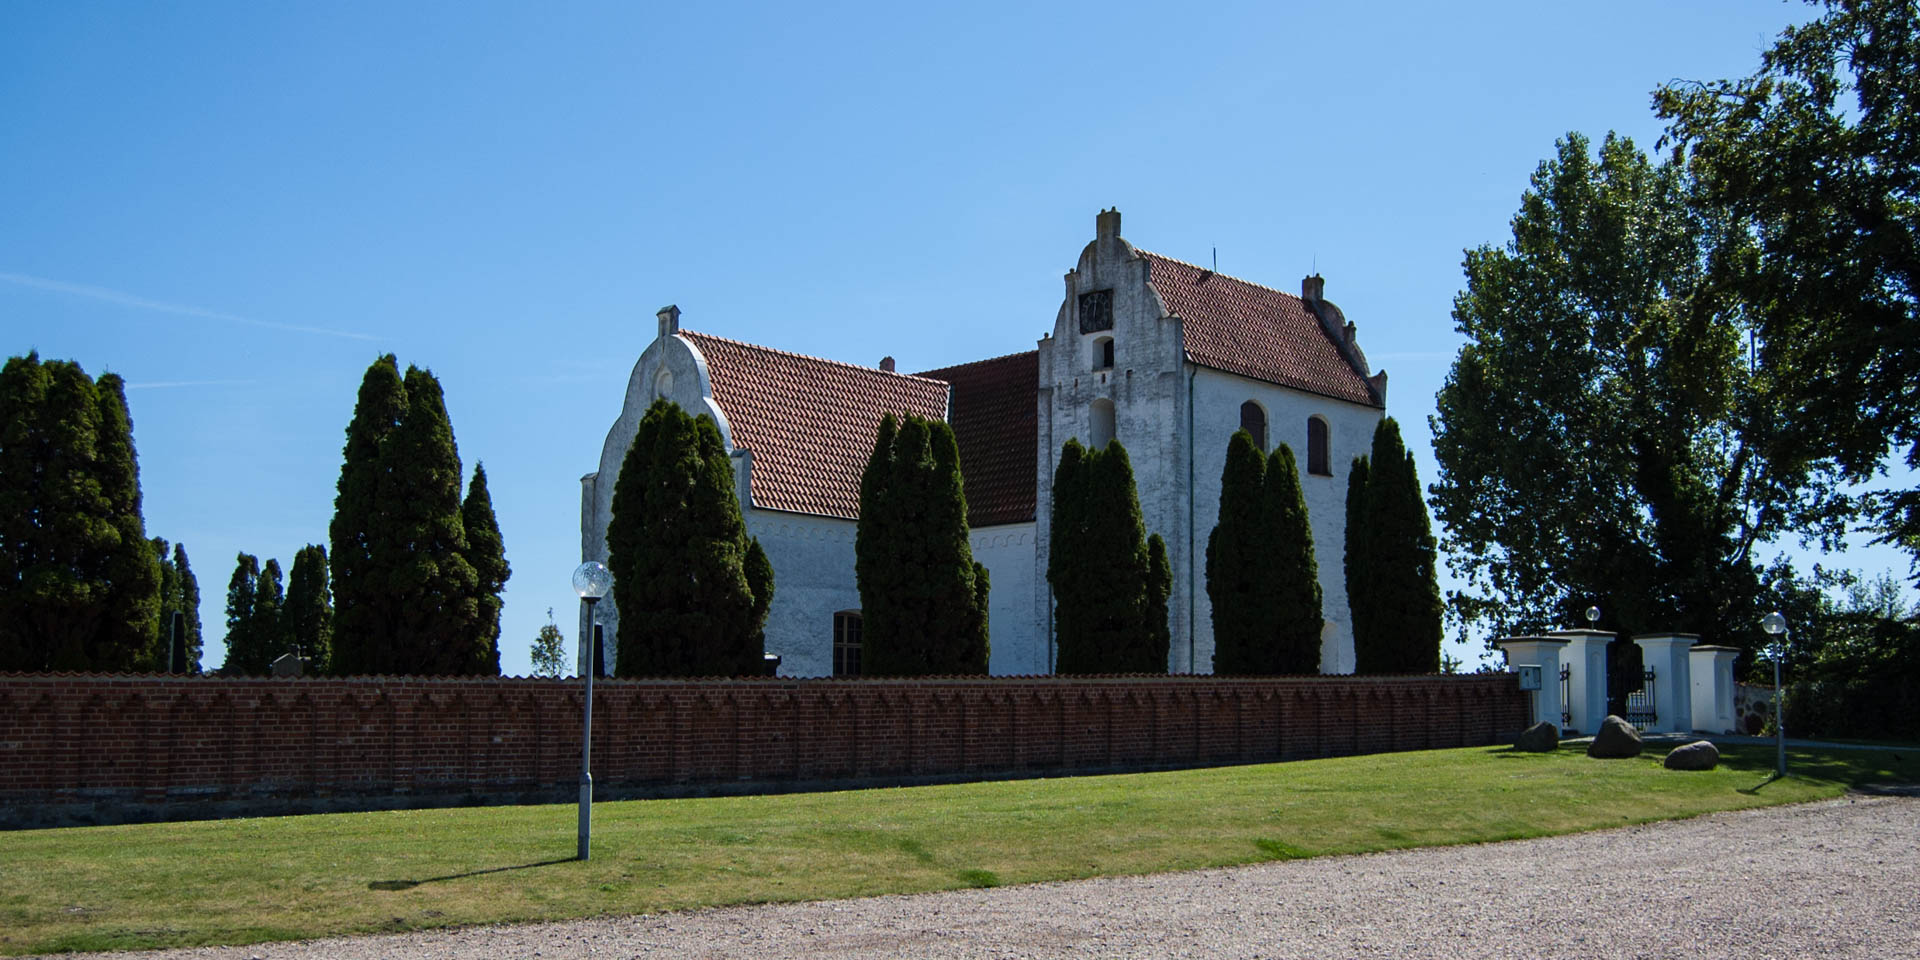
(1096, 311)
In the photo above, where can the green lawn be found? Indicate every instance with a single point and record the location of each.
(241, 881)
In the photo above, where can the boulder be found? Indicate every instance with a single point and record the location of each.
(1542, 737)
(1616, 739)
(1698, 755)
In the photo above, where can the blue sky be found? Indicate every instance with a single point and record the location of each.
(237, 207)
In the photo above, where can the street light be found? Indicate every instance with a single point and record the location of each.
(1776, 627)
(591, 581)
(1593, 617)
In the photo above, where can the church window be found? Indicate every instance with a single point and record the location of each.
(1102, 426)
(846, 643)
(1096, 311)
(1103, 353)
(1317, 448)
(1254, 420)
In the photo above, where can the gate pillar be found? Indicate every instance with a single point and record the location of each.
(1713, 688)
(1586, 659)
(1666, 655)
(1543, 652)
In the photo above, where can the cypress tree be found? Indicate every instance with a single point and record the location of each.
(1099, 566)
(1355, 567)
(487, 554)
(875, 567)
(1244, 605)
(154, 660)
(245, 649)
(361, 537)
(1293, 574)
(1404, 596)
(692, 588)
(79, 583)
(309, 611)
(268, 631)
(433, 591)
(1159, 592)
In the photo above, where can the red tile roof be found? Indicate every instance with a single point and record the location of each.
(996, 423)
(808, 422)
(1254, 331)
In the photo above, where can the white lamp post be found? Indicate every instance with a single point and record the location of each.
(1776, 627)
(591, 581)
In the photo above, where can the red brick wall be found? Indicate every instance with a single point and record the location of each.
(79, 748)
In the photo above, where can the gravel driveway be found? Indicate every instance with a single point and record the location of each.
(1834, 879)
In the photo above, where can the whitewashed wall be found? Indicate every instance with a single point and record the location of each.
(1019, 642)
(812, 580)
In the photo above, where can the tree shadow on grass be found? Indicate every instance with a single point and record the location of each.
(410, 884)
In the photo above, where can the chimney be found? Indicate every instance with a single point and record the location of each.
(1313, 289)
(886, 363)
(669, 320)
(1107, 225)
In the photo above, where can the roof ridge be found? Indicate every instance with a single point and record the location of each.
(808, 356)
(1217, 273)
(975, 363)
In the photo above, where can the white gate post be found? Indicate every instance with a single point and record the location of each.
(1543, 652)
(1586, 658)
(1713, 688)
(1666, 655)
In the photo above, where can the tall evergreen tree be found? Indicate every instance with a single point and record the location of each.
(1355, 565)
(1159, 593)
(363, 544)
(309, 610)
(691, 587)
(1238, 564)
(179, 593)
(246, 649)
(79, 584)
(154, 659)
(923, 597)
(268, 631)
(487, 554)
(1295, 574)
(1100, 568)
(1404, 630)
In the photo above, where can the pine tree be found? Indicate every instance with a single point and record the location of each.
(1294, 574)
(1404, 629)
(268, 629)
(923, 597)
(1359, 612)
(692, 588)
(79, 583)
(1099, 566)
(487, 554)
(246, 652)
(309, 610)
(154, 660)
(1244, 605)
(363, 544)
(1159, 592)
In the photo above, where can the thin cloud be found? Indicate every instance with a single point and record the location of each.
(167, 384)
(142, 303)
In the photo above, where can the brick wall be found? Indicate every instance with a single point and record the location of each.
(78, 749)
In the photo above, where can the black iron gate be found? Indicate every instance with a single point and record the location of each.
(1640, 705)
(1566, 696)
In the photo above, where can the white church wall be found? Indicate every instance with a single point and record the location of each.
(1217, 398)
(812, 580)
(1019, 643)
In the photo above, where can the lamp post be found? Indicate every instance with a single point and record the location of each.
(1593, 617)
(1776, 627)
(591, 581)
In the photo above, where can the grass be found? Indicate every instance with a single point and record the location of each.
(244, 881)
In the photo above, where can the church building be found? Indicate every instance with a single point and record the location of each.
(1168, 357)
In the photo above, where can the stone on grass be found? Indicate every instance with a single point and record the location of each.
(1698, 755)
(1542, 737)
(1616, 739)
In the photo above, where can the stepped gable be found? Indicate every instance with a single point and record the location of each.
(1254, 331)
(809, 423)
(996, 423)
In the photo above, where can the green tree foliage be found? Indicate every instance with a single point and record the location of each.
(1600, 438)
(1100, 565)
(1854, 664)
(923, 598)
(487, 554)
(248, 652)
(1262, 577)
(79, 582)
(1355, 555)
(1815, 158)
(407, 596)
(179, 593)
(550, 652)
(1402, 593)
(692, 589)
(308, 615)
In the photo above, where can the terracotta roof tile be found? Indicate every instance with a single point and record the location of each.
(1254, 331)
(808, 422)
(996, 424)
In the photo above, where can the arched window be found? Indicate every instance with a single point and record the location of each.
(1102, 426)
(1317, 448)
(1254, 420)
(1103, 353)
(846, 643)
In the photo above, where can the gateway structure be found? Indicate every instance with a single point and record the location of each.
(1168, 357)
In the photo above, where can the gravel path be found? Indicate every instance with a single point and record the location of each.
(1834, 879)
